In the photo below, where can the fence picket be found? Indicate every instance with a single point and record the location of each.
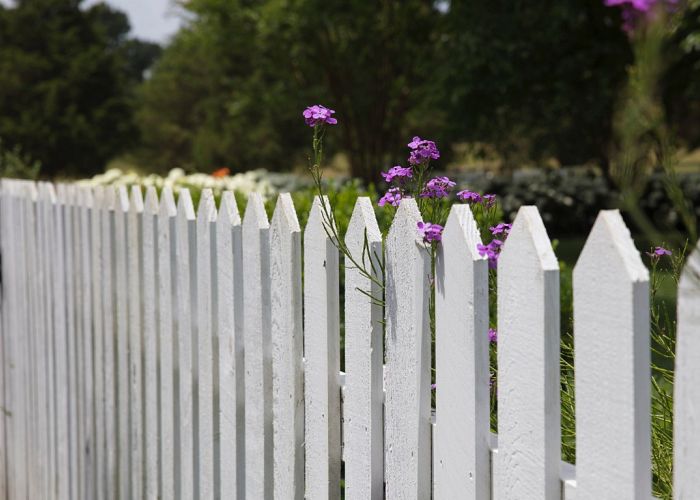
(4, 333)
(167, 349)
(135, 284)
(206, 268)
(364, 358)
(258, 350)
(185, 253)
(287, 351)
(687, 383)
(322, 357)
(462, 429)
(229, 306)
(528, 363)
(86, 202)
(121, 210)
(408, 357)
(612, 359)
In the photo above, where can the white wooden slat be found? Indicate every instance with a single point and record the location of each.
(686, 430)
(4, 233)
(149, 342)
(528, 363)
(98, 222)
(121, 211)
(461, 449)
(612, 359)
(185, 236)
(322, 358)
(408, 358)
(109, 339)
(28, 334)
(167, 346)
(363, 428)
(206, 239)
(139, 427)
(230, 332)
(258, 350)
(88, 309)
(287, 351)
(61, 351)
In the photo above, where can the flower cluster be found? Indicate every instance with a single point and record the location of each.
(392, 197)
(473, 198)
(491, 251)
(397, 172)
(319, 115)
(422, 151)
(430, 232)
(438, 187)
(493, 335)
(635, 12)
(659, 252)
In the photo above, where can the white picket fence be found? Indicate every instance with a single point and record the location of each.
(151, 352)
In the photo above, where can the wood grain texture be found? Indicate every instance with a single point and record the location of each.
(186, 272)
(363, 428)
(167, 348)
(612, 359)
(687, 383)
(287, 351)
(408, 358)
(322, 357)
(461, 448)
(258, 350)
(229, 294)
(206, 262)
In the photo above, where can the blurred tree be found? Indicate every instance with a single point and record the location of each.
(537, 79)
(66, 83)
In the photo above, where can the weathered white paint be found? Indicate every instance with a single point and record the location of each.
(363, 428)
(229, 292)
(185, 255)
(139, 427)
(461, 448)
(686, 431)
(528, 363)
(148, 308)
(407, 379)
(167, 346)
(121, 210)
(612, 359)
(258, 350)
(206, 268)
(287, 351)
(322, 357)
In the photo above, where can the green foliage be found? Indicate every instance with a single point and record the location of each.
(65, 91)
(16, 165)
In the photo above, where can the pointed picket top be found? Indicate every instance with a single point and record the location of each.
(109, 197)
(364, 355)
(185, 208)
(407, 414)
(166, 204)
(98, 197)
(612, 358)
(151, 205)
(85, 197)
(45, 191)
(284, 218)
(228, 210)
(686, 431)
(206, 211)
(610, 238)
(255, 215)
(462, 428)
(136, 200)
(528, 363)
(316, 224)
(122, 199)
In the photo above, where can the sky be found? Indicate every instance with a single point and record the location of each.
(153, 20)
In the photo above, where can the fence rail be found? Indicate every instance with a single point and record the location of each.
(148, 351)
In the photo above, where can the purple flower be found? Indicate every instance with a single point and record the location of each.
(501, 228)
(430, 232)
(319, 115)
(423, 151)
(469, 196)
(397, 171)
(433, 386)
(659, 252)
(491, 252)
(392, 197)
(635, 11)
(493, 335)
(438, 187)
(489, 200)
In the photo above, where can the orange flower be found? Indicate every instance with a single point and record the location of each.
(221, 172)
